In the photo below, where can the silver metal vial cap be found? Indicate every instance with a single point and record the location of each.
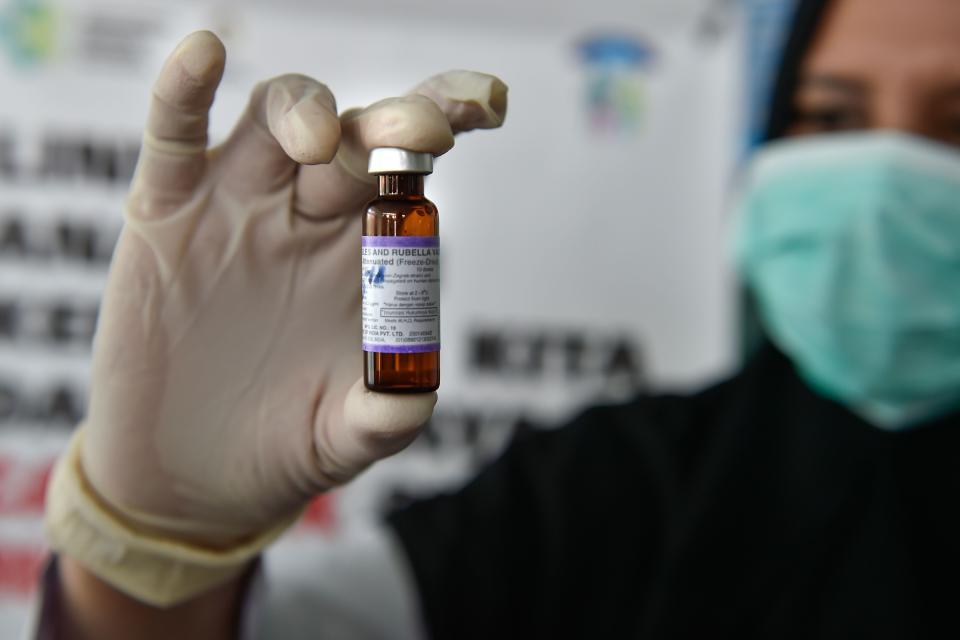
(395, 160)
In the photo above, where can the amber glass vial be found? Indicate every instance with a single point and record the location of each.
(401, 277)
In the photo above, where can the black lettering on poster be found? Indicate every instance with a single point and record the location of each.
(543, 353)
(56, 404)
(66, 156)
(56, 323)
(68, 239)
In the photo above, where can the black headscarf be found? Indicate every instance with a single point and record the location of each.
(803, 28)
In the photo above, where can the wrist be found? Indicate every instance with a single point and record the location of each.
(150, 566)
(91, 608)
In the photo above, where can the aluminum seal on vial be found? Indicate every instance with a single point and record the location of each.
(395, 160)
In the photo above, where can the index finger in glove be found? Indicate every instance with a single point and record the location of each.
(290, 119)
(470, 100)
(173, 155)
(411, 122)
(424, 120)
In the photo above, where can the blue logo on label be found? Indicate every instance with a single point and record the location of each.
(374, 275)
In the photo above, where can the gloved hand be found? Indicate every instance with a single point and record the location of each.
(225, 389)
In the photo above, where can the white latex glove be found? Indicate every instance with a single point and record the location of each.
(225, 388)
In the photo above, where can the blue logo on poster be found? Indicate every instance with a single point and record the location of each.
(615, 88)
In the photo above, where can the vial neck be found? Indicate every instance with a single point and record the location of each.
(401, 184)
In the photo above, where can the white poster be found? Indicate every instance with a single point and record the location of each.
(583, 244)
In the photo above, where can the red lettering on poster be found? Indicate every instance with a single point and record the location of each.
(20, 568)
(23, 485)
(320, 514)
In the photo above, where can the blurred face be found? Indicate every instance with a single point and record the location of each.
(883, 64)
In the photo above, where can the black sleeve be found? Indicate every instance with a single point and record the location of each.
(560, 535)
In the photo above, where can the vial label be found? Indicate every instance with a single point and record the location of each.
(401, 294)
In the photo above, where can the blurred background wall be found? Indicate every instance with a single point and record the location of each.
(584, 244)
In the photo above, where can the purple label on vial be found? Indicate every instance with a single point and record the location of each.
(400, 280)
(414, 348)
(400, 241)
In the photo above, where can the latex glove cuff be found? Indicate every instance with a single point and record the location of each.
(156, 570)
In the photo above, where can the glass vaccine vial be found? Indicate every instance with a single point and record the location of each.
(400, 257)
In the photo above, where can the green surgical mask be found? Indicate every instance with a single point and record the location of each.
(851, 246)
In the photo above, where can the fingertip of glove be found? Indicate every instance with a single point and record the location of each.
(497, 102)
(413, 122)
(310, 132)
(469, 99)
(388, 412)
(202, 56)
(485, 90)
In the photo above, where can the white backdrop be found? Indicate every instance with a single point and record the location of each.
(583, 244)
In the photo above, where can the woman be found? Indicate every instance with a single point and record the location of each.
(808, 496)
